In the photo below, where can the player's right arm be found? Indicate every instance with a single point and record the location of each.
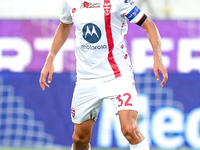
(61, 35)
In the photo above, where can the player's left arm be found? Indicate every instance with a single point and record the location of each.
(155, 40)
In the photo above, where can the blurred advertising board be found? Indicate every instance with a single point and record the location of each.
(24, 45)
(169, 117)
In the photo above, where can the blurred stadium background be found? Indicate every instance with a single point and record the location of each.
(31, 119)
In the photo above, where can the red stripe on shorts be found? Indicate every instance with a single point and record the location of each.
(110, 41)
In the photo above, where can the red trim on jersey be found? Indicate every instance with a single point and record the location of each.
(110, 43)
(140, 19)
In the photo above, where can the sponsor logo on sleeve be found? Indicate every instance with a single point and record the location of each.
(133, 13)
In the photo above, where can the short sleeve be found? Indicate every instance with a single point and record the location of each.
(132, 12)
(66, 15)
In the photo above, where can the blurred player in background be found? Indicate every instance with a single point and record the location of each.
(103, 65)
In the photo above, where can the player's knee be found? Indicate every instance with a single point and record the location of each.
(129, 130)
(132, 134)
(80, 139)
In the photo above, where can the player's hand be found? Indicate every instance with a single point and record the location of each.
(159, 67)
(47, 70)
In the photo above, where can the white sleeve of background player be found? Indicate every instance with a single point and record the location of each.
(131, 12)
(66, 15)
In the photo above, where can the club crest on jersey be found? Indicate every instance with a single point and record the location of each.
(107, 8)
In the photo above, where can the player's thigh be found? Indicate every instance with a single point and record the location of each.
(85, 103)
(83, 131)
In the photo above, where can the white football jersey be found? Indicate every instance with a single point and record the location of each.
(101, 26)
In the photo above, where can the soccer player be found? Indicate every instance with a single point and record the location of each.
(103, 65)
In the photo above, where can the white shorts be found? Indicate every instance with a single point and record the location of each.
(89, 95)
